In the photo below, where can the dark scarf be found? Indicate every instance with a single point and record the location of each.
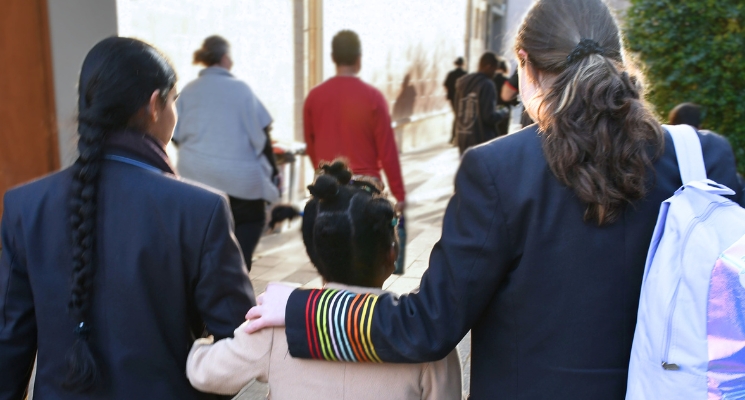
(141, 146)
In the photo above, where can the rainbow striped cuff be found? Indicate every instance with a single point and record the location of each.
(336, 325)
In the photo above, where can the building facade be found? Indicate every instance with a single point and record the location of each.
(280, 47)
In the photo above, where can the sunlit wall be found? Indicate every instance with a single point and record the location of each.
(419, 38)
(260, 32)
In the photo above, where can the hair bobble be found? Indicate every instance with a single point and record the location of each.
(367, 186)
(83, 330)
(584, 48)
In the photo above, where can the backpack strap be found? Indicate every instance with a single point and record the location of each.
(688, 151)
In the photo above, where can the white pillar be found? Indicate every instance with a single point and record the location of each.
(74, 27)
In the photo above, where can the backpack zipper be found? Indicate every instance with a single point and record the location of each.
(668, 366)
(668, 333)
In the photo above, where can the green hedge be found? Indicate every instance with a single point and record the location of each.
(692, 51)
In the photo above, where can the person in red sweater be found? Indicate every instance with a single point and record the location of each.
(346, 117)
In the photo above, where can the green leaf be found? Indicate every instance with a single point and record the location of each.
(692, 51)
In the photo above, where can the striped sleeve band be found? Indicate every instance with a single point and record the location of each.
(336, 325)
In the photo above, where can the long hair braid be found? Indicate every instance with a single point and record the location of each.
(116, 81)
(82, 370)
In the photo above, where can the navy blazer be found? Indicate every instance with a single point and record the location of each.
(168, 265)
(551, 300)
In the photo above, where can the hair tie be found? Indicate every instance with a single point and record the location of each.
(83, 330)
(584, 48)
(367, 186)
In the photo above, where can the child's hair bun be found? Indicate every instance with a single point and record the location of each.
(339, 170)
(325, 188)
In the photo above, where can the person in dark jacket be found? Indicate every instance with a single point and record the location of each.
(453, 77)
(690, 114)
(500, 79)
(544, 241)
(686, 113)
(112, 267)
(449, 84)
(508, 93)
(476, 113)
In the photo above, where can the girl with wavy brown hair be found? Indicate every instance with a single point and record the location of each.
(544, 241)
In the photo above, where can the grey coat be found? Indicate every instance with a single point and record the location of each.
(220, 136)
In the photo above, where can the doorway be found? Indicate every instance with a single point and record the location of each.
(28, 139)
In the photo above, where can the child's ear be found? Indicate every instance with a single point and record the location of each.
(390, 262)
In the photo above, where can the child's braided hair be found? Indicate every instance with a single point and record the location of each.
(348, 227)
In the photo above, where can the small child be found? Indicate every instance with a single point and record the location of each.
(349, 234)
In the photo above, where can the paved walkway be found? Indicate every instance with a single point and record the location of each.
(428, 176)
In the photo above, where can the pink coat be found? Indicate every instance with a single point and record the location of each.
(228, 365)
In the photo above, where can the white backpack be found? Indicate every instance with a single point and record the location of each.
(690, 332)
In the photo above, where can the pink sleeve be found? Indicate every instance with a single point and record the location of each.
(226, 366)
(386, 148)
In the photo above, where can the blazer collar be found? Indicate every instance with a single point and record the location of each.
(140, 146)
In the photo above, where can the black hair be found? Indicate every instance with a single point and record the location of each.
(488, 59)
(459, 61)
(345, 48)
(348, 227)
(686, 113)
(117, 80)
(212, 51)
(502, 64)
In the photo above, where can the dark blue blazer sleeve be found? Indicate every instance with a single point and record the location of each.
(223, 291)
(17, 319)
(466, 268)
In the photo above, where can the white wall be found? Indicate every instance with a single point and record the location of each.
(260, 33)
(421, 38)
(418, 37)
(74, 26)
(516, 10)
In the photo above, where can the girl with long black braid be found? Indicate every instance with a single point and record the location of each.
(112, 267)
(105, 105)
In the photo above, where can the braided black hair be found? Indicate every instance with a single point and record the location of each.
(116, 81)
(348, 229)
